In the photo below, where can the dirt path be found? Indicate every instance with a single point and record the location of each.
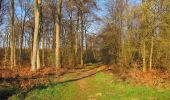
(83, 87)
(88, 89)
(82, 84)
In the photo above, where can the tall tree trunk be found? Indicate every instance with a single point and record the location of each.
(151, 54)
(82, 40)
(43, 53)
(31, 49)
(144, 56)
(54, 35)
(35, 52)
(85, 38)
(53, 14)
(15, 55)
(39, 31)
(76, 40)
(144, 44)
(8, 46)
(38, 59)
(58, 31)
(43, 38)
(6, 49)
(85, 41)
(12, 43)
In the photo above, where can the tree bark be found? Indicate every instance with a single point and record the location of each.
(144, 56)
(76, 40)
(151, 54)
(82, 40)
(58, 32)
(12, 35)
(35, 53)
(6, 49)
(38, 59)
(43, 53)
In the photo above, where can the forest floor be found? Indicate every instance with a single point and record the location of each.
(106, 85)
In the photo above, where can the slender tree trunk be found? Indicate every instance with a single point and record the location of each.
(76, 40)
(31, 49)
(15, 55)
(82, 40)
(35, 52)
(43, 43)
(6, 49)
(54, 36)
(151, 54)
(8, 46)
(42, 36)
(58, 32)
(53, 14)
(85, 38)
(12, 43)
(144, 56)
(144, 44)
(43, 53)
(39, 31)
(38, 59)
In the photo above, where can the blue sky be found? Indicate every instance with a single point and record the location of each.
(95, 27)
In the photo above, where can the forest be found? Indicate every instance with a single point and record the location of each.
(84, 50)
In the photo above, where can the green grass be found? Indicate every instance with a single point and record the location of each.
(99, 87)
(123, 91)
(57, 92)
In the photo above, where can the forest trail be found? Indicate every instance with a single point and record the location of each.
(82, 88)
(82, 84)
(103, 85)
(87, 91)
